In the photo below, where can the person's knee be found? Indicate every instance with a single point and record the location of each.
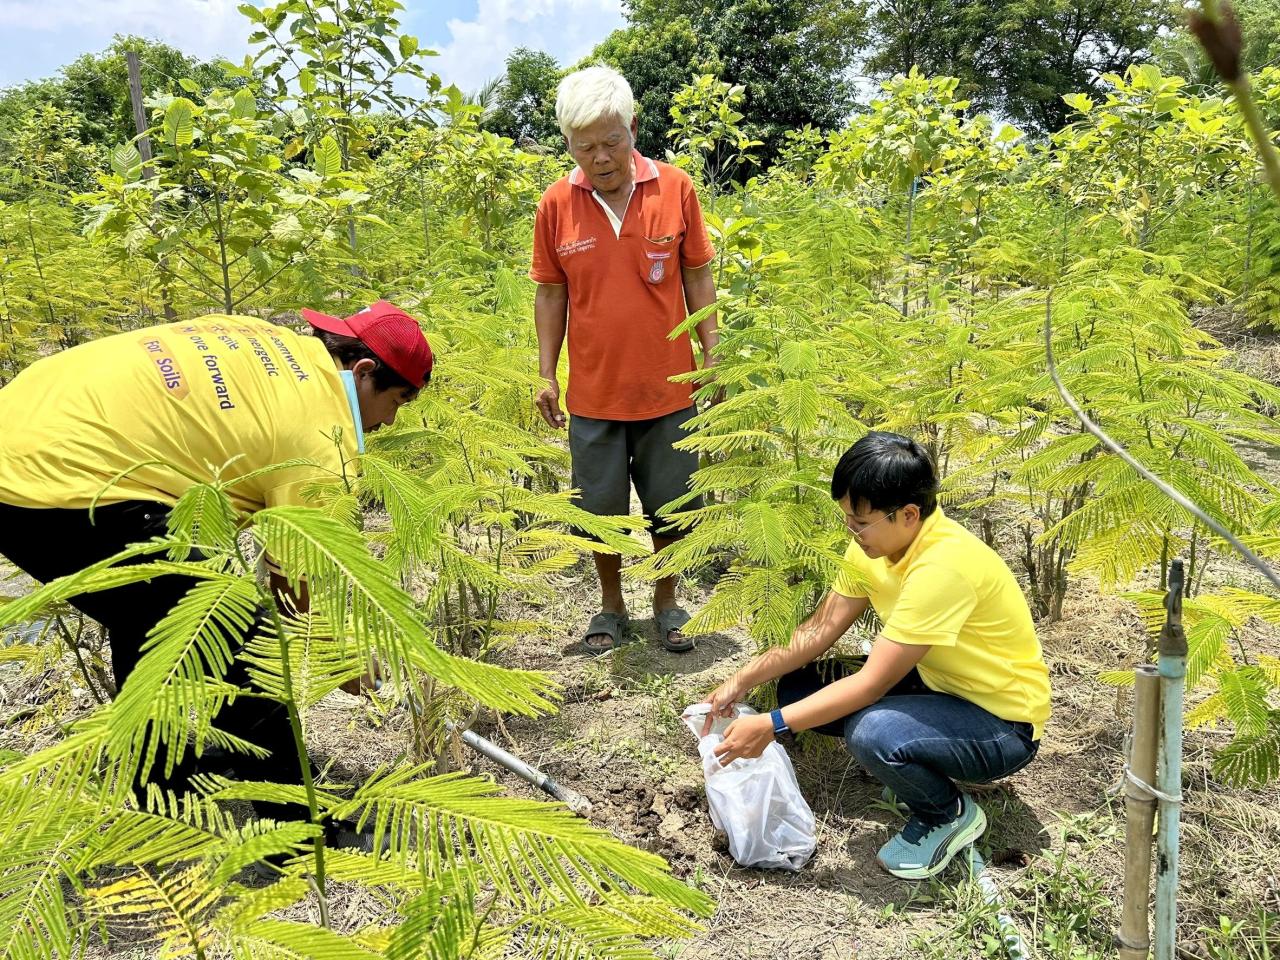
(873, 736)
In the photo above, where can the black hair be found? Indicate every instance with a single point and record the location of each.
(888, 471)
(348, 350)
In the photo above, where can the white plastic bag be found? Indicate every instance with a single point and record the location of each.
(756, 802)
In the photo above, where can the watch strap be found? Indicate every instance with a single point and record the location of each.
(780, 727)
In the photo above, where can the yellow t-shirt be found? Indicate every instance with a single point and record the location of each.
(191, 395)
(954, 593)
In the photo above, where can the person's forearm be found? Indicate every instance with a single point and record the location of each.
(700, 292)
(550, 318)
(709, 338)
(886, 665)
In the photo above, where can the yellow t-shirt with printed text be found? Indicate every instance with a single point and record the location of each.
(954, 593)
(135, 415)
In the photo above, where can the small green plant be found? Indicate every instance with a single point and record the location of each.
(1254, 937)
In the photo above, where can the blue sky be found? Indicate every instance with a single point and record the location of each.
(473, 37)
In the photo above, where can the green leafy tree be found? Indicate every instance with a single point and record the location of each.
(907, 133)
(791, 57)
(222, 218)
(1159, 143)
(95, 88)
(337, 62)
(524, 107)
(1014, 57)
(51, 292)
(708, 133)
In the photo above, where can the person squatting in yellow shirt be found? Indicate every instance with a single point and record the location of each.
(124, 423)
(955, 687)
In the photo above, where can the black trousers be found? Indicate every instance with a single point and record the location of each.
(51, 543)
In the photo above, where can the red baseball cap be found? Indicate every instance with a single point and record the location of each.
(389, 332)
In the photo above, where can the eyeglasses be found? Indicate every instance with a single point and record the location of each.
(858, 529)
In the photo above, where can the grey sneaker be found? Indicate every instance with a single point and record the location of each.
(920, 850)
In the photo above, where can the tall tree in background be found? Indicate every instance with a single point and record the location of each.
(793, 56)
(1017, 58)
(524, 106)
(657, 60)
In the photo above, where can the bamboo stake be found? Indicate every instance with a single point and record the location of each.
(1134, 938)
(1173, 668)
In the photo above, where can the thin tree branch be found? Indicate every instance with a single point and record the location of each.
(1253, 559)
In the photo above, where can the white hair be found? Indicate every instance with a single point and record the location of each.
(587, 95)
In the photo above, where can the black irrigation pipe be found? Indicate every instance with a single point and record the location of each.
(1254, 560)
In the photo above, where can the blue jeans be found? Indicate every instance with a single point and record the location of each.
(918, 742)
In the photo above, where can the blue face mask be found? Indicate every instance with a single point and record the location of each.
(349, 383)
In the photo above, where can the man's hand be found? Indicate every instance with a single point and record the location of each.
(722, 702)
(709, 376)
(548, 403)
(746, 737)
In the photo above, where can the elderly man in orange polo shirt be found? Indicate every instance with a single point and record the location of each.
(621, 257)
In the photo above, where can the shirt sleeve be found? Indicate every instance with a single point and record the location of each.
(935, 603)
(852, 584)
(695, 249)
(546, 262)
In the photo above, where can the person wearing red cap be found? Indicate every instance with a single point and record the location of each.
(122, 425)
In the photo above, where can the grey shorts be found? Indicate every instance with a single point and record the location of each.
(609, 455)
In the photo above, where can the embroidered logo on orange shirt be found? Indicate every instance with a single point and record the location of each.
(576, 246)
(658, 268)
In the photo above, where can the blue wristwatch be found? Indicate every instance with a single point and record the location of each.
(780, 729)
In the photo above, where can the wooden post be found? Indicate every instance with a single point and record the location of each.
(139, 116)
(1134, 938)
(144, 151)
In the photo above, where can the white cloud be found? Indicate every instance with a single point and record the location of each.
(200, 28)
(566, 29)
(37, 37)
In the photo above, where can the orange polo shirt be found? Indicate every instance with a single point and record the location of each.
(626, 292)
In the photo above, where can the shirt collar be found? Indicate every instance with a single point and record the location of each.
(349, 385)
(645, 168)
(926, 529)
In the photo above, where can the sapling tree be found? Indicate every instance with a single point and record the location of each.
(792, 385)
(903, 136)
(708, 133)
(43, 302)
(338, 63)
(224, 216)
